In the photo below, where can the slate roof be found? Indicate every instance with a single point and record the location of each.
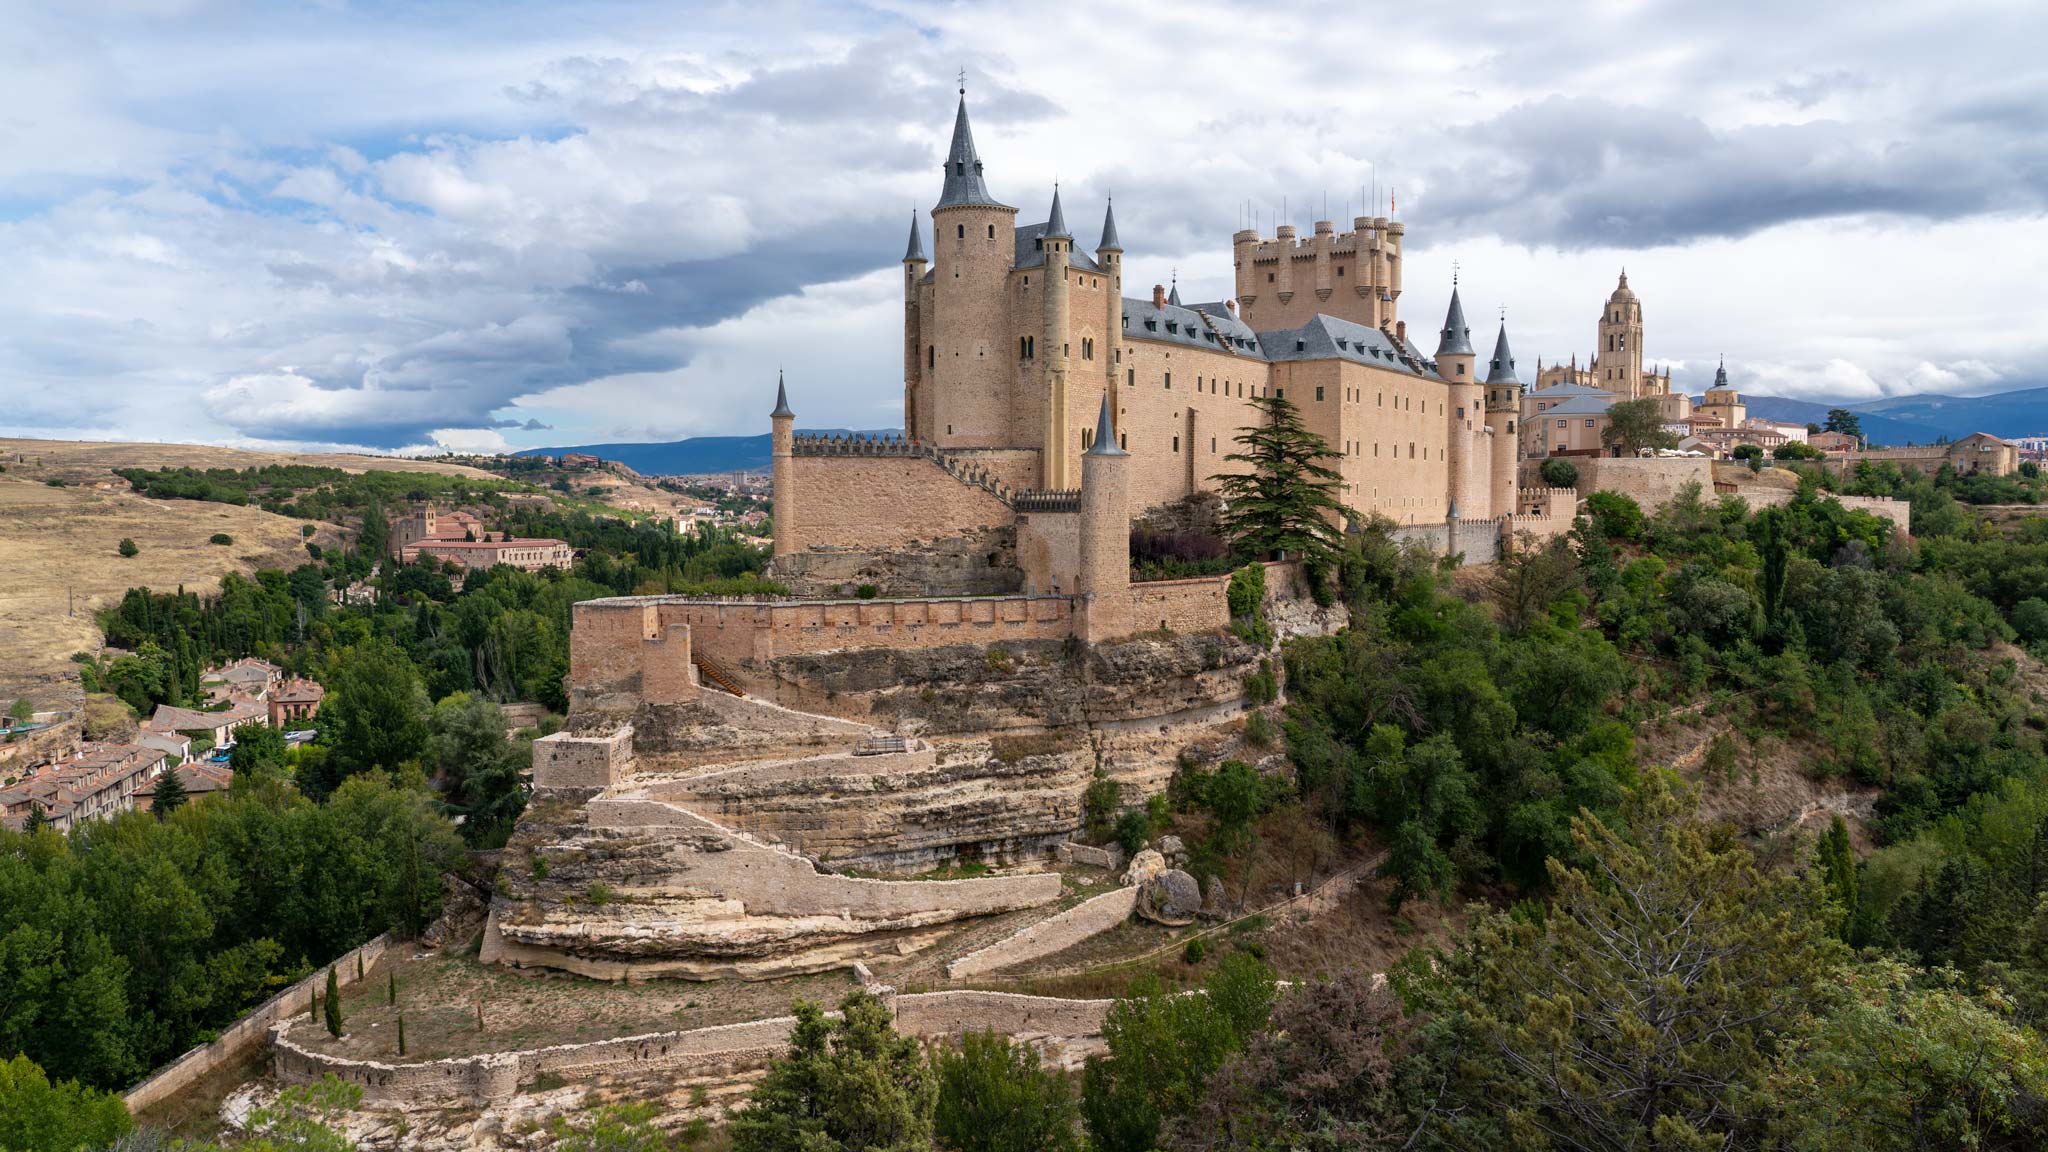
(1456, 338)
(1328, 338)
(1031, 253)
(964, 185)
(1556, 391)
(1501, 369)
(1579, 406)
(916, 250)
(1109, 242)
(1174, 324)
(1105, 434)
(1056, 220)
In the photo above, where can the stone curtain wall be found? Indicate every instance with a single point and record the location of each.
(628, 647)
(884, 503)
(1201, 604)
(237, 1039)
(720, 1050)
(1096, 914)
(1650, 481)
(566, 762)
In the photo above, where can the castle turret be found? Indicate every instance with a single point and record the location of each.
(1059, 439)
(782, 422)
(914, 265)
(1109, 254)
(1462, 412)
(1503, 408)
(967, 365)
(1105, 576)
(1621, 343)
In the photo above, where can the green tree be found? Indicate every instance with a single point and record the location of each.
(480, 771)
(846, 1085)
(168, 794)
(1286, 503)
(1911, 1061)
(1844, 421)
(333, 1004)
(1636, 425)
(1163, 1047)
(259, 751)
(221, 538)
(1836, 862)
(611, 1128)
(374, 714)
(128, 547)
(1559, 473)
(996, 1096)
(1645, 1009)
(2029, 620)
(23, 711)
(39, 1116)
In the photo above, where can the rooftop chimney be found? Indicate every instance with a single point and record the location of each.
(1232, 305)
(1159, 295)
(1401, 333)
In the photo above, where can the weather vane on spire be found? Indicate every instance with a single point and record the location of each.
(963, 81)
(1454, 273)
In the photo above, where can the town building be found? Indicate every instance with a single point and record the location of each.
(217, 727)
(1723, 402)
(293, 701)
(460, 538)
(1833, 441)
(1616, 366)
(99, 781)
(248, 676)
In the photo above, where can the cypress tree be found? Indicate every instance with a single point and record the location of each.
(333, 1004)
(168, 794)
(391, 987)
(401, 1033)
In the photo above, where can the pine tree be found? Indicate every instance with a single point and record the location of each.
(333, 1004)
(168, 794)
(1837, 864)
(35, 821)
(1287, 504)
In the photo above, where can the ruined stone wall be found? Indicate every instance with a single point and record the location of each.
(731, 1050)
(629, 648)
(1094, 915)
(237, 1040)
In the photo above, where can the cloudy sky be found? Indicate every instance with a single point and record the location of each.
(490, 223)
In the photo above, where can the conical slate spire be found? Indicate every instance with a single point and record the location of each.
(963, 168)
(915, 253)
(1721, 374)
(1501, 369)
(1105, 434)
(1056, 222)
(1109, 241)
(1456, 338)
(1173, 297)
(781, 398)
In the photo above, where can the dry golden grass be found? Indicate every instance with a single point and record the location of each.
(59, 558)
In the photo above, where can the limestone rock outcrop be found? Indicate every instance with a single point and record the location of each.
(1170, 897)
(1144, 866)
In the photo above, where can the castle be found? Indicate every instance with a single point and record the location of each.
(1026, 368)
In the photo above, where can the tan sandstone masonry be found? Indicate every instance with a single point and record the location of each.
(238, 1039)
(1056, 934)
(729, 1050)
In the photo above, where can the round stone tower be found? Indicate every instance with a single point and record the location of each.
(1463, 412)
(1109, 254)
(914, 334)
(1105, 576)
(967, 365)
(1503, 409)
(783, 423)
(1055, 467)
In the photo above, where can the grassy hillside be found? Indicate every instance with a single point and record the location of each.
(59, 558)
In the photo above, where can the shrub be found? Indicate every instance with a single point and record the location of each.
(1560, 473)
(1099, 805)
(2030, 619)
(220, 538)
(1133, 828)
(868, 591)
(599, 894)
(1196, 951)
(1258, 731)
(306, 529)
(996, 1096)
(1263, 686)
(1247, 599)
(128, 547)
(312, 549)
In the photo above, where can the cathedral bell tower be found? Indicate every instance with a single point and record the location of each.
(1621, 343)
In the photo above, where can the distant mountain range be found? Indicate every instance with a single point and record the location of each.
(1919, 419)
(696, 456)
(1922, 419)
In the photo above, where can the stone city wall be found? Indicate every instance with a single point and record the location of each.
(724, 1049)
(1057, 934)
(1898, 512)
(238, 1039)
(1049, 551)
(627, 647)
(1649, 481)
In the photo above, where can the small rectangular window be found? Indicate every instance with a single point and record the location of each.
(991, 231)
(1319, 393)
(960, 231)
(1176, 445)
(1169, 381)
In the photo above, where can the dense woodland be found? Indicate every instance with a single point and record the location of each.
(1635, 974)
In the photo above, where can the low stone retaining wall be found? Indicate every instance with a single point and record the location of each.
(1054, 934)
(239, 1038)
(724, 1050)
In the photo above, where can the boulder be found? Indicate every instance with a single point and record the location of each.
(1170, 897)
(1176, 853)
(1214, 905)
(1145, 865)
